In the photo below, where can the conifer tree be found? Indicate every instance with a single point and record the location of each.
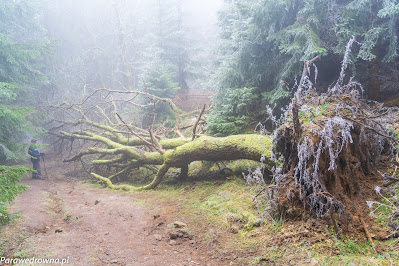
(264, 42)
(22, 47)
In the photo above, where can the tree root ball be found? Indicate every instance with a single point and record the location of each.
(333, 166)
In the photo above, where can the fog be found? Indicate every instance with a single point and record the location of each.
(119, 44)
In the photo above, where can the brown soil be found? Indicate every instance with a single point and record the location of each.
(95, 226)
(348, 187)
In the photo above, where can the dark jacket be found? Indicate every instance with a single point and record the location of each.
(34, 154)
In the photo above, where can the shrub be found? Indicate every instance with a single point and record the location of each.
(9, 188)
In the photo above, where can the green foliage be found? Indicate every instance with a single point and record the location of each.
(9, 188)
(21, 43)
(22, 48)
(232, 112)
(159, 79)
(275, 96)
(376, 26)
(350, 247)
(13, 123)
(266, 41)
(13, 126)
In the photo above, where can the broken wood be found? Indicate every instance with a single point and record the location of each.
(196, 123)
(370, 239)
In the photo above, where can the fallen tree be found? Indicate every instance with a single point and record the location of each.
(121, 146)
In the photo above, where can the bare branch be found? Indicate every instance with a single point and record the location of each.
(196, 123)
(141, 138)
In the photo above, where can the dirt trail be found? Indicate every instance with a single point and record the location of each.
(95, 226)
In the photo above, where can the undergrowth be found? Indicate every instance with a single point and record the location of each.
(225, 214)
(9, 189)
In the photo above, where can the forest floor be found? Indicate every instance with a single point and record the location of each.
(92, 226)
(62, 217)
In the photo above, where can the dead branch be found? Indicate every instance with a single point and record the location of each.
(196, 123)
(366, 230)
(141, 138)
(191, 125)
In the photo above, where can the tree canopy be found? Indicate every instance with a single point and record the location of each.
(264, 42)
(23, 49)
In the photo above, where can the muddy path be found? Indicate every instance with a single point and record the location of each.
(95, 226)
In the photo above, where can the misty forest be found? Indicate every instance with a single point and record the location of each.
(212, 132)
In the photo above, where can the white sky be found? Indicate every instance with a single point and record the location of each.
(201, 11)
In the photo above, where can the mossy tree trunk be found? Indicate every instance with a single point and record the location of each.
(180, 153)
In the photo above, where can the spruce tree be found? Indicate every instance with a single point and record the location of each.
(22, 49)
(265, 42)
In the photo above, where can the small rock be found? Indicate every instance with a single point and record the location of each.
(96, 202)
(233, 230)
(258, 223)
(172, 242)
(106, 233)
(179, 224)
(158, 237)
(180, 234)
(176, 234)
(156, 216)
(212, 232)
(59, 230)
(313, 262)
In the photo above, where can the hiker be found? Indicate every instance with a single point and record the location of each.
(35, 158)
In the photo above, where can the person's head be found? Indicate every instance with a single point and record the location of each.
(33, 141)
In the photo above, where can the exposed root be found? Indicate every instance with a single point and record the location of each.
(329, 148)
